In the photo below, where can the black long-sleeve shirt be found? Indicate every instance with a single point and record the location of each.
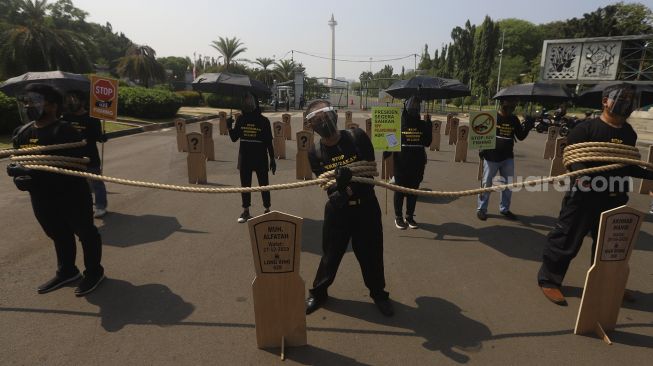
(508, 128)
(255, 134)
(91, 130)
(416, 135)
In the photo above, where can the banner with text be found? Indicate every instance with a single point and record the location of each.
(104, 98)
(483, 130)
(386, 128)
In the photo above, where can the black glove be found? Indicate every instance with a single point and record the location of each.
(273, 166)
(103, 138)
(17, 170)
(343, 177)
(230, 123)
(24, 183)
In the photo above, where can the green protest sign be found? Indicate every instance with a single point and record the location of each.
(386, 128)
(483, 130)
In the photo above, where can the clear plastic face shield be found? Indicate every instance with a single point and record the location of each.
(620, 102)
(324, 121)
(413, 106)
(31, 106)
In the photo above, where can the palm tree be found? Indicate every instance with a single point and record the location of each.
(265, 74)
(285, 69)
(229, 48)
(139, 63)
(29, 41)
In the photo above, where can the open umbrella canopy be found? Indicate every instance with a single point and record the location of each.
(64, 81)
(592, 97)
(230, 84)
(535, 92)
(428, 88)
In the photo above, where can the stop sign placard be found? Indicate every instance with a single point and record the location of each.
(104, 98)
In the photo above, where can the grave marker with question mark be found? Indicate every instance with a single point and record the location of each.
(279, 140)
(180, 126)
(461, 143)
(304, 142)
(437, 132)
(207, 136)
(196, 159)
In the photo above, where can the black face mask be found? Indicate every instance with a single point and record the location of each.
(34, 113)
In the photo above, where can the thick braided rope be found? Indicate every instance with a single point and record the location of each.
(36, 149)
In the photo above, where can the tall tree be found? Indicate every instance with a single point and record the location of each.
(425, 60)
(229, 48)
(285, 69)
(139, 63)
(265, 73)
(463, 48)
(485, 51)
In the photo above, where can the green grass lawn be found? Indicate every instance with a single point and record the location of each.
(112, 127)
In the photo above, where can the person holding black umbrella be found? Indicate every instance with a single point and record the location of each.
(255, 134)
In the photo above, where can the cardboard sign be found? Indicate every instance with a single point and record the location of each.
(196, 159)
(606, 280)
(550, 146)
(437, 135)
(180, 127)
(386, 128)
(368, 127)
(303, 166)
(103, 98)
(287, 128)
(279, 140)
(461, 144)
(453, 133)
(483, 130)
(278, 290)
(222, 127)
(207, 137)
(557, 166)
(646, 186)
(447, 129)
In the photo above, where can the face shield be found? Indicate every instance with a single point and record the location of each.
(621, 102)
(31, 106)
(324, 121)
(413, 106)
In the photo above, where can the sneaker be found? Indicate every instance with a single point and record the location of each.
(385, 307)
(87, 285)
(400, 223)
(481, 215)
(411, 222)
(57, 282)
(509, 215)
(267, 210)
(244, 217)
(99, 212)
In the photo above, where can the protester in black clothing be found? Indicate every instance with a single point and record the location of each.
(255, 134)
(352, 211)
(410, 162)
(62, 204)
(91, 130)
(501, 158)
(590, 195)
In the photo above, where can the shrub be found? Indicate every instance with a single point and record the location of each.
(190, 98)
(223, 101)
(148, 103)
(9, 117)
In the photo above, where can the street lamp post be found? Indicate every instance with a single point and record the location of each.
(503, 39)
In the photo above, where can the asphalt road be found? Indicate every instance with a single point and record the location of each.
(180, 269)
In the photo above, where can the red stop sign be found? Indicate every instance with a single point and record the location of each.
(104, 90)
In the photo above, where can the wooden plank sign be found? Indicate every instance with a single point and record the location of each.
(207, 137)
(461, 144)
(304, 143)
(348, 119)
(557, 167)
(278, 290)
(368, 127)
(646, 186)
(279, 140)
(447, 128)
(196, 159)
(549, 148)
(222, 127)
(606, 279)
(437, 135)
(453, 133)
(180, 126)
(287, 128)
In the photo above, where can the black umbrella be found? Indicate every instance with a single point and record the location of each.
(64, 81)
(535, 92)
(230, 84)
(592, 97)
(428, 88)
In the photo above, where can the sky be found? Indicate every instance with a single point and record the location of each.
(380, 29)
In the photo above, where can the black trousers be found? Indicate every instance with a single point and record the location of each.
(409, 177)
(246, 181)
(62, 216)
(580, 214)
(362, 225)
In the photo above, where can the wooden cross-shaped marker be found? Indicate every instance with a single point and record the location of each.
(550, 147)
(461, 144)
(646, 187)
(368, 127)
(606, 279)
(447, 127)
(180, 127)
(207, 136)
(557, 167)
(279, 141)
(222, 127)
(304, 143)
(196, 159)
(287, 128)
(437, 134)
(453, 133)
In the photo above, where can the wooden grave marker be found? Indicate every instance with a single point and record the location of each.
(208, 144)
(368, 127)
(447, 129)
(387, 167)
(222, 127)
(348, 119)
(287, 127)
(646, 187)
(606, 279)
(461, 144)
(427, 117)
(550, 146)
(557, 167)
(304, 143)
(305, 125)
(279, 140)
(437, 135)
(453, 133)
(278, 290)
(180, 127)
(196, 159)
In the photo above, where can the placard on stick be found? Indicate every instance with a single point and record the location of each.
(196, 159)
(386, 128)
(304, 143)
(278, 290)
(483, 130)
(647, 185)
(180, 127)
(550, 146)
(207, 143)
(368, 127)
(437, 135)
(453, 133)
(222, 127)
(606, 279)
(279, 140)
(287, 128)
(461, 144)
(557, 166)
(103, 98)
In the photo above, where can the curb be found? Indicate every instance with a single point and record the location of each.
(156, 126)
